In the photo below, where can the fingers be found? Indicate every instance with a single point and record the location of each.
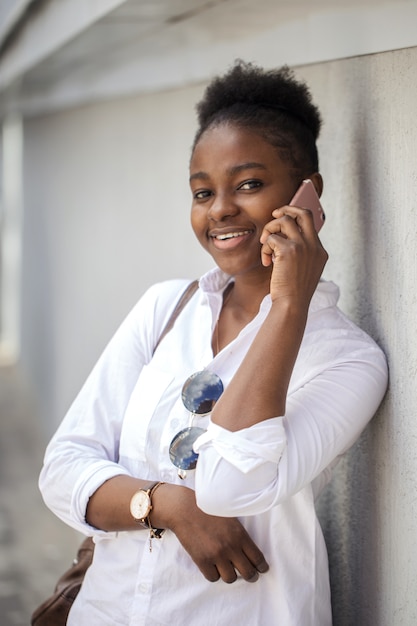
(239, 556)
(229, 571)
(209, 571)
(290, 243)
(243, 566)
(302, 217)
(220, 547)
(257, 558)
(290, 223)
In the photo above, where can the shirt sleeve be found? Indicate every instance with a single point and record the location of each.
(84, 452)
(249, 471)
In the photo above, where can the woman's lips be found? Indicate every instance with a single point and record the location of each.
(231, 239)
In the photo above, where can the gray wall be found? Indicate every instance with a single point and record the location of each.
(106, 214)
(369, 159)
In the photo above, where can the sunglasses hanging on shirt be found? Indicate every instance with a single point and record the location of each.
(199, 395)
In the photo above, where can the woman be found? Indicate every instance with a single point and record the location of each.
(300, 384)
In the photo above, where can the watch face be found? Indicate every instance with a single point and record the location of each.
(140, 505)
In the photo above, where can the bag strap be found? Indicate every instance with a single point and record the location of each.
(185, 297)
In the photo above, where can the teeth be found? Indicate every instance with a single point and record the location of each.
(231, 235)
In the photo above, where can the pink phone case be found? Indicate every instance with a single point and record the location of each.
(306, 198)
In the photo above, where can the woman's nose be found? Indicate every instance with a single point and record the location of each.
(221, 207)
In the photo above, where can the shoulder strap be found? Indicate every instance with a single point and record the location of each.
(185, 297)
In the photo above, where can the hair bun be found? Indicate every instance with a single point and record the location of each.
(247, 84)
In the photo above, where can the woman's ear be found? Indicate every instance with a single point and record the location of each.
(317, 181)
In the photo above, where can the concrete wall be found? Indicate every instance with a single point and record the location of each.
(369, 156)
(106, 214)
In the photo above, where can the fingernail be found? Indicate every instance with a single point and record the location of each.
(254, 578)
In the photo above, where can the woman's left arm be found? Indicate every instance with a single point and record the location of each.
(249, 471)
(290, 243)
(254, 457)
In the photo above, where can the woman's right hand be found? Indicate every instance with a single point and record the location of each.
(219, 546)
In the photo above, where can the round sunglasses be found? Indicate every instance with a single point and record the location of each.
(199, 394)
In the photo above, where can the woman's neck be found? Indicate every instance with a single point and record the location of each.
(247, 294)
(241, 302)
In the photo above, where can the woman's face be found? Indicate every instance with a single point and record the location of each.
(237, 179)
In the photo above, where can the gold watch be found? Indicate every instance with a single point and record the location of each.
(141, 507)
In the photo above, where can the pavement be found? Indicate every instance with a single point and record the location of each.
(35, 547)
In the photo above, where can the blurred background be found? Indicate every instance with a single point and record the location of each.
(97, 118)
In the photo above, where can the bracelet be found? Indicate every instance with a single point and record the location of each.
(154, 533)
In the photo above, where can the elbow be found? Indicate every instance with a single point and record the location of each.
(209, 504)
(50, 493)
(44, 486)
(225, 491)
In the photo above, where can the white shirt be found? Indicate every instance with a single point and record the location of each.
(269, 475)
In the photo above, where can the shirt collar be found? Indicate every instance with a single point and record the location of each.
(214, 281)
(326, 295)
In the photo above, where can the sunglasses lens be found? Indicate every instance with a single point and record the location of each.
(199, 395)
(201, 392)
(181, 450)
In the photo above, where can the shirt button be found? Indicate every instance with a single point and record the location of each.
(143, 588)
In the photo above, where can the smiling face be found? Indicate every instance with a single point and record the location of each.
(237, 179)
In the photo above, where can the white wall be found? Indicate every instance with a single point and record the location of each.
(107, 214)
(78, 51)
(107, 206)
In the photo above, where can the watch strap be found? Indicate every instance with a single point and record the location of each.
(154, 533)
(157, 532)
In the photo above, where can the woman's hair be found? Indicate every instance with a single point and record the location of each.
(271, 103)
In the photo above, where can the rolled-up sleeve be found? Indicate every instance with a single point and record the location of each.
(249, 471)
(84, 452)
(248, 448)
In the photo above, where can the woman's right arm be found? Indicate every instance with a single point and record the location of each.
(219, 546)
(85, 486)
(84, 452)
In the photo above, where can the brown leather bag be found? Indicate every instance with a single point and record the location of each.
(54, 611)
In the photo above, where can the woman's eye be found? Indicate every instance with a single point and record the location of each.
(201, 194)
(249, 185)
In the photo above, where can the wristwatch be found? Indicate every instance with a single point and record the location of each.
(141, 507)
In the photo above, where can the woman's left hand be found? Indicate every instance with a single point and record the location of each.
(290, 242)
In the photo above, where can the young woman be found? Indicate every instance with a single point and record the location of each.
(197, 465)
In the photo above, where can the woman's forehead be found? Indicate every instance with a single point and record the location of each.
(232, 145)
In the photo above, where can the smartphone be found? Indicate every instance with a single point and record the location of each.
(306, 198)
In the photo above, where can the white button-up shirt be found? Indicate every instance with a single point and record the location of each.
(269, 475)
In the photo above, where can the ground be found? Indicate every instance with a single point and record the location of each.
(35, 547)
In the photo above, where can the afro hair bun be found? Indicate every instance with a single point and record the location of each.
(247, 84)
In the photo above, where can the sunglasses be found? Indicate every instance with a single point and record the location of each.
(199, 394)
